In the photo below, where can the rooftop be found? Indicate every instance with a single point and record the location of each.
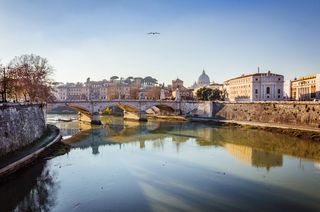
(255, 74)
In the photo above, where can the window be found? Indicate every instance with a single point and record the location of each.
(279, 91)
(268, 90)
(256, 91)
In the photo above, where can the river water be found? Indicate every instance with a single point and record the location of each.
(161, 166)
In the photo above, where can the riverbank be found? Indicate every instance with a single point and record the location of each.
(303, 132)
(167, 118)
(18, 159)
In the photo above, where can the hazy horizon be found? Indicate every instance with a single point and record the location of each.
(99, 39)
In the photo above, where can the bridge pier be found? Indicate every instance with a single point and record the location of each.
(84, 118)
(135, 116)
(95, 119)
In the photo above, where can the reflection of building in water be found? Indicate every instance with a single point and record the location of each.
(69, 131)
(317, 165)
(254, 157)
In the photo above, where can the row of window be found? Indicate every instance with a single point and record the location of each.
(268, 90)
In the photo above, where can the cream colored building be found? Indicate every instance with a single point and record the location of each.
(255, 87)
(71, 91)
(215, 86)
(90, 90)
(305, 88)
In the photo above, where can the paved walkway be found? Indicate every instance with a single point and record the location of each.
(15, 160)
(261, 124)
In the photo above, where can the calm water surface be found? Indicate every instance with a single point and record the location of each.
(158, 166)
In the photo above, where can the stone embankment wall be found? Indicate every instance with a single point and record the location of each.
(20, 125)
(291, 113)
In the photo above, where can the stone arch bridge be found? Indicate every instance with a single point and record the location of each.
(134, 109)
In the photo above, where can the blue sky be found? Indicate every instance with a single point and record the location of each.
(227, 38)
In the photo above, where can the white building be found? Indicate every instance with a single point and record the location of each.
(255, 87)
(305, 88)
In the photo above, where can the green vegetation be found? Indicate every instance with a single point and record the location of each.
(208, 94)
(107, 111)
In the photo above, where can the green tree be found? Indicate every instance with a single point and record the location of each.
(114, 78)
(208, 94)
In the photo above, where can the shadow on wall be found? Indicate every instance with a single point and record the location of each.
(310, 96)
(216, 107)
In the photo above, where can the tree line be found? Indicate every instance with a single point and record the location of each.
(26, 78)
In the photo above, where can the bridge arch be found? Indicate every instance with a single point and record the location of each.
(161, 109)
(80, 109)
(128, 108)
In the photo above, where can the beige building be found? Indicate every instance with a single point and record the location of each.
(255, 87)
(215, 86)
(71, 91)
(184, 93)
(305, 88)
(109, 90)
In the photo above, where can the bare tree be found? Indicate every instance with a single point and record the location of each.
(31, 74)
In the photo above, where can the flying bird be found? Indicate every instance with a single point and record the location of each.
(153, 33)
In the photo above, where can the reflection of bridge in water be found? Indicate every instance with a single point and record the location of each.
(135, 109)
(257, 148)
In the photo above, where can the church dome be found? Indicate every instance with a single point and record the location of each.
(203, 79)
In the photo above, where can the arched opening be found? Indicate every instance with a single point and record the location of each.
(82, 110)
(70, 109)
(160, 110)
(132, 113)
(61, 109)
(114, 110)
(128, 108)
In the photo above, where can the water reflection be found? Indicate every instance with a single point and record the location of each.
(254, 157)
(35, 191)
(161, 166)
(258, 148)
